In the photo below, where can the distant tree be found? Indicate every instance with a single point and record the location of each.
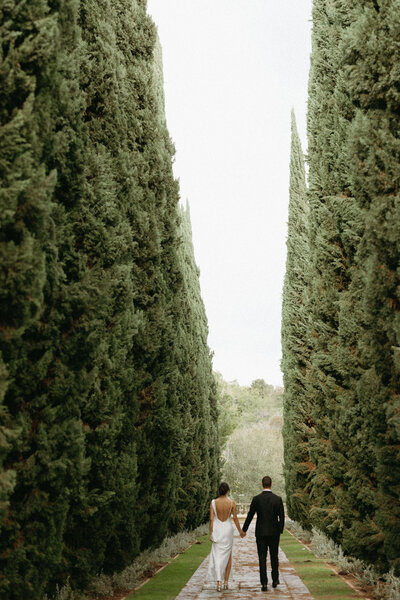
(250, 429)
(228, 416)
(262, 388)
(251, 453)
(249, 404)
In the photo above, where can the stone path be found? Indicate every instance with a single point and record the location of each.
(246, 579)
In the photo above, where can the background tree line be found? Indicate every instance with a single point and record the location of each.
(108, 434)
(341, 304)
(250, 423)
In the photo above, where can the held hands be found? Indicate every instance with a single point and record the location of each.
(242, 534)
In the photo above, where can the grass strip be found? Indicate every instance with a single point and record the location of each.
(321, 581)
(167, 584)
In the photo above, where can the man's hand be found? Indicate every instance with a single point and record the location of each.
(242, 534)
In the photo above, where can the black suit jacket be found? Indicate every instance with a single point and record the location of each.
(270, 514)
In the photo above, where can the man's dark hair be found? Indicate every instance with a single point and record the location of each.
(266, 481)
(223, 488)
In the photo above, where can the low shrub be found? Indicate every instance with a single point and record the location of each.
(297, 530)
(385, 587)
(323, 547)
(132, 575)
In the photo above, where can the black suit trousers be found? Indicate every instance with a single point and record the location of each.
(263, 543)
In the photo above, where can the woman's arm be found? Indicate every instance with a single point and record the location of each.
(236, 520)
(211, 519)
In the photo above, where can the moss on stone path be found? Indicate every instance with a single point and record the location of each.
(316, 575)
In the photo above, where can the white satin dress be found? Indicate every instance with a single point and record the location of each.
(222, 542)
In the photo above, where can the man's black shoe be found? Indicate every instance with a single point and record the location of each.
(264, 588)
(275, 583)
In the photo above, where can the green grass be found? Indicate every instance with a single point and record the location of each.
(167, 584)
(322, 583)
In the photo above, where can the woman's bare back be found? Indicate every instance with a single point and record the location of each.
(224, 508)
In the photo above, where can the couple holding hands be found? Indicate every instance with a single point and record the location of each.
(270, 523)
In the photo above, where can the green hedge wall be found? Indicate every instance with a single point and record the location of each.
(108, 437)
(351, 286)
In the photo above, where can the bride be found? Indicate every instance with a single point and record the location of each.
(221, 535)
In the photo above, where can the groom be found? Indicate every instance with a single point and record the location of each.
(269, 526)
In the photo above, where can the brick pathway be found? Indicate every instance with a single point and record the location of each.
(246, 579)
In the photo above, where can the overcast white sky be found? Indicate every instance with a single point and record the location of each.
(233, 69)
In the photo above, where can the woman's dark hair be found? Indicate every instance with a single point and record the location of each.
(223, 488)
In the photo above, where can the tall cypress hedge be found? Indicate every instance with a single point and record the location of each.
(107, 431)
(329, 379)
(374, 169)
(295, 345)
(41, 154)
(353, 328)
(200, 450)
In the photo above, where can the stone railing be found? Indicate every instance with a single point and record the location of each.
(242, 508)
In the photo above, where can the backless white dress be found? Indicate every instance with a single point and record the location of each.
(222, 542)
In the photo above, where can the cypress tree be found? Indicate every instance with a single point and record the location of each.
(295, 345)
(373, 87)
(352, 382)
(93, 338)
(158, 275)
(331, 210)
(348, 392)
(200, 453)
(101, 530)
(44, 462)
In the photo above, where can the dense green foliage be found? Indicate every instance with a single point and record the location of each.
(108, 409)
(374, 176)
(351, 287)
(250, 419)
(196, 388)
(295, 349)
